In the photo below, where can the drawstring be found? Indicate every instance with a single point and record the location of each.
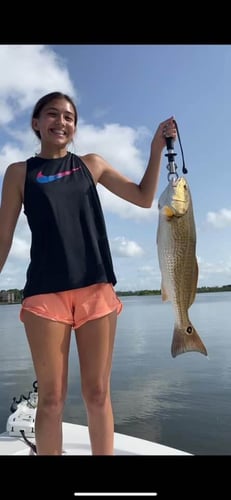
(184, 169)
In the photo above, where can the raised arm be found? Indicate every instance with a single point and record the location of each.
(141, 194)
(11, 203)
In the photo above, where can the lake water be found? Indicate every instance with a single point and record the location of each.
(183, 402)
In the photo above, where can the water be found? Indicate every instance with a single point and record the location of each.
(182, 402)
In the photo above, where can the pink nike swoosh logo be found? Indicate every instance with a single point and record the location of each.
(50, 178)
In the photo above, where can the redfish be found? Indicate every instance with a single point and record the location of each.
(176, 243)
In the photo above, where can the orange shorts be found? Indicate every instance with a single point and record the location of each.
(74, 307)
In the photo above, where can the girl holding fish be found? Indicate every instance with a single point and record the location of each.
(70, 279)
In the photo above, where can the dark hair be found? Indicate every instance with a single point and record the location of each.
(45, 100)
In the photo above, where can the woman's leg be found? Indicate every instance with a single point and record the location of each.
(95, 341)
(49, 343)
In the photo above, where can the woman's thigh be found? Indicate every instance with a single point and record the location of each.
(95, 342)
(49, 343)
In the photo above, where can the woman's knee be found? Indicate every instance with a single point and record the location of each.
(52, 401)
(95, 396)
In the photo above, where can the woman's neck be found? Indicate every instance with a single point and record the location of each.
(49, 153)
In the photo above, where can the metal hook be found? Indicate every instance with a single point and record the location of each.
(174, 174)
(170, 155)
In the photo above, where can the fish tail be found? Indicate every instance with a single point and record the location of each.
(184, 342)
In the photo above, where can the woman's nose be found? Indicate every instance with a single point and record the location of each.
(60, 119)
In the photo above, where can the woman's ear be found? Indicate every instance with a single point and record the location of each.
(35, 124)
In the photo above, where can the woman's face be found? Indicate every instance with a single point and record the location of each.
(56, 123)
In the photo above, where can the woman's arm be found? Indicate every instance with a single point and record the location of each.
(141, 194)
(10, 208)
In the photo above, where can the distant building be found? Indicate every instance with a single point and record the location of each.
(7, 297)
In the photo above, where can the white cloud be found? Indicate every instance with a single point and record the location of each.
(11, 152)
(214, 273)
(125, 248)
(6, 112)
(115, 142)
(27, 72)
(219, 219)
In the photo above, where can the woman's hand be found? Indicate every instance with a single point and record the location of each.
(167, 128)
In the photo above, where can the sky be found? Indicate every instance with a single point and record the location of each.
(122, 93)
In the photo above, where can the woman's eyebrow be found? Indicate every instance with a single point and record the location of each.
(53, 108)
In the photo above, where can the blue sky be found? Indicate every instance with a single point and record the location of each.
(122, 93)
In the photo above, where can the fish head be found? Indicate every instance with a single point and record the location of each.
(175, 199)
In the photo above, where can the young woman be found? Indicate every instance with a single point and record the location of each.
(70, 279)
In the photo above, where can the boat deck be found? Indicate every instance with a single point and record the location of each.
(76, 442)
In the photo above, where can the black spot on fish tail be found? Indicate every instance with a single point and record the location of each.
(186, 340)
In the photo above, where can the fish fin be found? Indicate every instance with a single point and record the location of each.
(157, 233)
(185, 342)
(164, 294)
(194, 282)
(167, 211)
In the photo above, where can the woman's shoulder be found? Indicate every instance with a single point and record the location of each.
(95, 164)
(91, 157)
(15, 174)
(16, 168)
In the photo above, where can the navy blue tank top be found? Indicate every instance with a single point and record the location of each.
(69, 245)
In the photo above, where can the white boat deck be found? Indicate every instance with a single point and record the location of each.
(76, 442)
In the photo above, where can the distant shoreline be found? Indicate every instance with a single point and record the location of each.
(203, 289)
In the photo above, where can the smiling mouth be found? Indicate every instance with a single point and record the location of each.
(58, 133)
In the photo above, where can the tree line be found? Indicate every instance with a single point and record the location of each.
(18, 294)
